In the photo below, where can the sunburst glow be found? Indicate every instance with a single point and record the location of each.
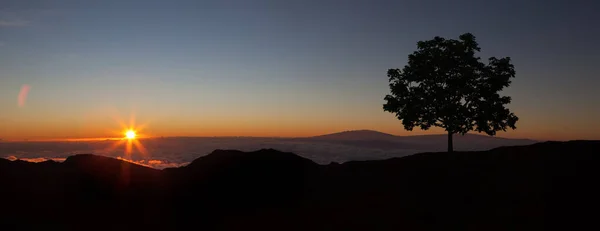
(130, 134)
(132, 137)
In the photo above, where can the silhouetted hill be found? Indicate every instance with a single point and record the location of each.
(548, 185)
(100, 166)
(227, 158)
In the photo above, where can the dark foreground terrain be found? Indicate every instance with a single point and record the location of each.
(552, 185)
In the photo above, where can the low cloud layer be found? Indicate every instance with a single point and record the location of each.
(174, 152)
(35, 160)
(159, 164)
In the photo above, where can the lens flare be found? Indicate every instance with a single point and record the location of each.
(23, 95)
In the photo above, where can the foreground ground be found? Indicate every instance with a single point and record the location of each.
(551, 185)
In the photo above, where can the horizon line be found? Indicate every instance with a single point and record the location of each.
(277, 137)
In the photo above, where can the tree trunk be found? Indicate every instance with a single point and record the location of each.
(450, 146)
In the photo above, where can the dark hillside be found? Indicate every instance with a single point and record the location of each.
(536, 187)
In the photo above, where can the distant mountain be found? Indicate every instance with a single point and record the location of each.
(366, 139)
(421, 143)
(357, 135)
(533, 187)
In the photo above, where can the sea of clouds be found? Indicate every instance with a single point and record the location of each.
(174, 152)
(178, 151)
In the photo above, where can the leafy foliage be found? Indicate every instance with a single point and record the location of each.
(446, 85)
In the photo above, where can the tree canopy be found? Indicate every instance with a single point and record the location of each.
(446, 85)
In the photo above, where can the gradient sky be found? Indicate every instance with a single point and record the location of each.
(277, 68)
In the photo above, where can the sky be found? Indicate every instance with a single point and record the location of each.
(277, 68)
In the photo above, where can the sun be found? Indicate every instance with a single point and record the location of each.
(130, 134)
(132, 137)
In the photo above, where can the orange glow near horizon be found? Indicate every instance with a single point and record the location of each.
(109, 123)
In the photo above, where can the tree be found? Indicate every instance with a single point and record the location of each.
(446, 85)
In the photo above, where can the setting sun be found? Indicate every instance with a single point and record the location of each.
(130, 134)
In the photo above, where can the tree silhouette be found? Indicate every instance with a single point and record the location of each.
(446, 85)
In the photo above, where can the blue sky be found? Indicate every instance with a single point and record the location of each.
(278, 67)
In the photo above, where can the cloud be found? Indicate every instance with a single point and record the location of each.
(12, 158)
(158, 164)
(151, 163)
(13, 23)
(42, 159)
(154, 162)
(36, 160)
